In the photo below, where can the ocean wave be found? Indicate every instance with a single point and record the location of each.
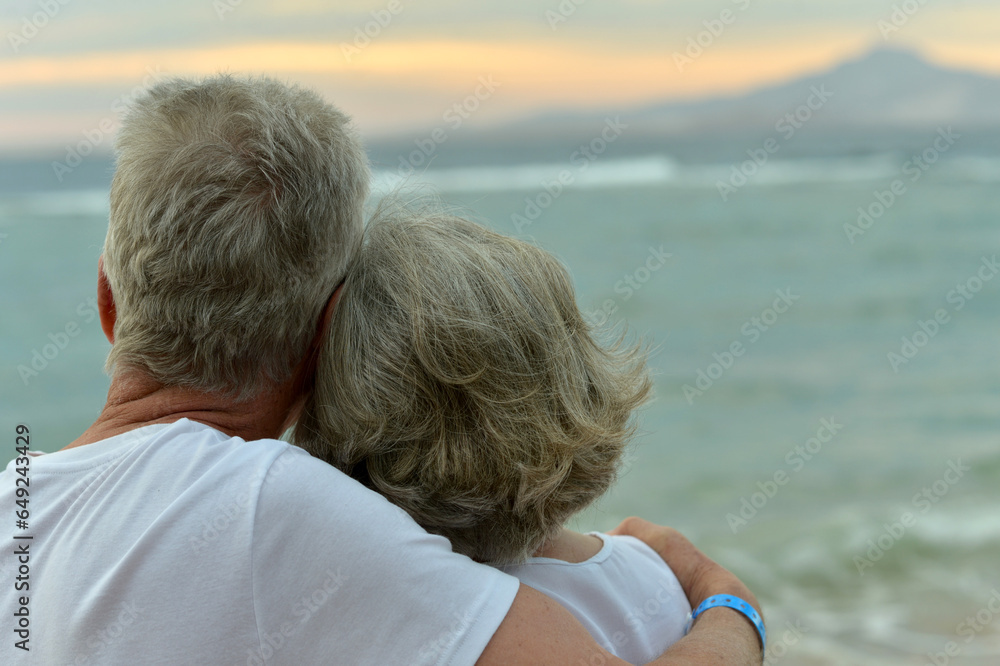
(661, 170)
(973, 527)
(975, 169)
(650, 170)
(66, 203)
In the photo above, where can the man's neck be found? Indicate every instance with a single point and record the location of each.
(135, 400)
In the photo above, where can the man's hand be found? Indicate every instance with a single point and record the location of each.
(537, 630)
(699, 576)
(730, 637)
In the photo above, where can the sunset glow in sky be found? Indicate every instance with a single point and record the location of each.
(65, 73)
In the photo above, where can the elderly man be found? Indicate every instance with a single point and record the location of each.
(177, 528)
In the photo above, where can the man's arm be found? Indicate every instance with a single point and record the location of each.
(719, 635)
(538, 630)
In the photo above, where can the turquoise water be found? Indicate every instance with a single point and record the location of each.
(825, 541)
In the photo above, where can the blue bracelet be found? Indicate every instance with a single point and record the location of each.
(736, 604)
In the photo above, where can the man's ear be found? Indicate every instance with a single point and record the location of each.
(105, 302)
(307, 368)
(322, 329)
(324, 322)
(304, 377)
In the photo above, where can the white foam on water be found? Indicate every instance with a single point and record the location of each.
(659, 170)
(970, 527)
(55, 204)
(975, 169)
(649, 170)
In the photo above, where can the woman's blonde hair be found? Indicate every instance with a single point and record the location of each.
(460, 380)
(236, 206)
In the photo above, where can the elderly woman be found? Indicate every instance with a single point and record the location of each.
(460, 380)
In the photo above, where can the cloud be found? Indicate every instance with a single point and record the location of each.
(608, 55)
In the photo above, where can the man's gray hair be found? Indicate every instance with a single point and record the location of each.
(236, 206)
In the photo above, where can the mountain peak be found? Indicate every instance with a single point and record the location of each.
(887, 60)
(891, 54)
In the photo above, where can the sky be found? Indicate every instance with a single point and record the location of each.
(68, 67)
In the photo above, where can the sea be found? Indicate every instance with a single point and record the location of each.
(824, 342)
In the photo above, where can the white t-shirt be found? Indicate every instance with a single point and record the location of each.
(626, 596)
(177, 544)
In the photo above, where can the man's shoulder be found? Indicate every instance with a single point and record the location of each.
(193, 459)
(192, 450)
(286, 489)
(278, 488)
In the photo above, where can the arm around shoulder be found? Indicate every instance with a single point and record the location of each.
(537, 630)
(720, 635)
